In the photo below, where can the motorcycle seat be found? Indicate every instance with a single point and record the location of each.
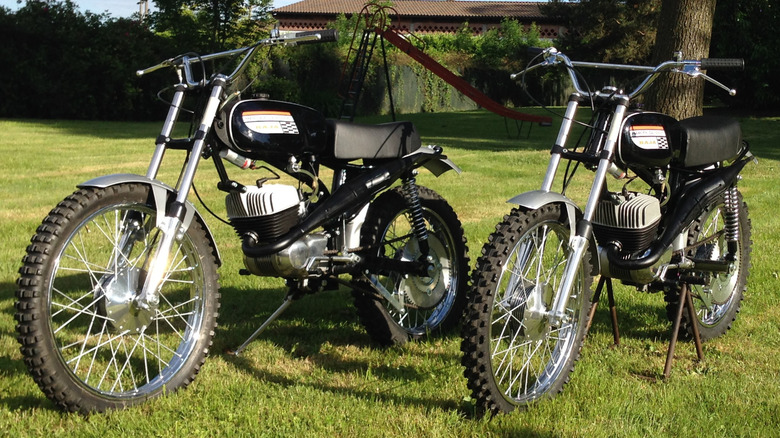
(705, 140)
(353, 141)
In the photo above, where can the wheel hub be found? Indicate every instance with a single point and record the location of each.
(721, 285)
(117, 303)
(528, 310)
(426, 292)
(535, 320)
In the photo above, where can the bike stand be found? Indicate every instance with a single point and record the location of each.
(685, 302)
(287, 301)
(612, 309)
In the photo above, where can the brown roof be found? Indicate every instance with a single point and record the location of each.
(429, 8)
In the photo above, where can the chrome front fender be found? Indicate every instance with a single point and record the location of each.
(160, 194)
(539, 198)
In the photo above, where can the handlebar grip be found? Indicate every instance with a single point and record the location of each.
(723, 64)
(326, 36)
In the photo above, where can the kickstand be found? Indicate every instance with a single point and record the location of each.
(291, 296)
(612, 309)
(685, 301)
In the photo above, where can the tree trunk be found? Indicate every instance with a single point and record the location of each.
(684, 26)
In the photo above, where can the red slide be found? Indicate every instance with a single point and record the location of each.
(456, 81)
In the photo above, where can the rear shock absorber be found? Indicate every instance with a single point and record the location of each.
(731, 221)
(412, 196)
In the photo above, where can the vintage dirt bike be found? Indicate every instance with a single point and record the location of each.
(118, 293)
(677, 225)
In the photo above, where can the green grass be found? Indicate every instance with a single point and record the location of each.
(316, 373)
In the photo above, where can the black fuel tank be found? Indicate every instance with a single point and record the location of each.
(262, 129)
(645, 140)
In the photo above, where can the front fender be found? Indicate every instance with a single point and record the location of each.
(539, 198)
(160, 194)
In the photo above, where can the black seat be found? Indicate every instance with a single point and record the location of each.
(705, 140)
(352, 141)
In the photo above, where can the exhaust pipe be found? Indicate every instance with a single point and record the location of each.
(352, 193)
(698, 198)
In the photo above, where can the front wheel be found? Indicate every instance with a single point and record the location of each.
(432, 303)
(512, 354)
(87, 343)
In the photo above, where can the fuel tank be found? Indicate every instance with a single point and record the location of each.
(645, 140)
(263, 129)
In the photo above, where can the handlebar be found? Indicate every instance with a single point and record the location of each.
(690, 67)
(185, 62)
(723, 64)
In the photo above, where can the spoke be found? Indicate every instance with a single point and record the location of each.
(99, 345)
(78, 313)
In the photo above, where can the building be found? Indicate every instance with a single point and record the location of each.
(421, 16)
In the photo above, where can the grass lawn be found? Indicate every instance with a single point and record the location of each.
(315, 372)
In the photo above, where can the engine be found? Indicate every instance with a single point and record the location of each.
(631, 219)
(267, 213)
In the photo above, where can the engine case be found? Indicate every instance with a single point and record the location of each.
(292, 261)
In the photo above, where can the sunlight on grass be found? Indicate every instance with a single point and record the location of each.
(315, 371)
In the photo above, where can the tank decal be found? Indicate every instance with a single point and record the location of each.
(270, 122)
(649, 136)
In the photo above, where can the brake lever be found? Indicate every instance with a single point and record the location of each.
(550, 58)
(694, 71)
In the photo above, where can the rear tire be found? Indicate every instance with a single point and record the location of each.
(718, 302)
(85, 342)
(433, 304)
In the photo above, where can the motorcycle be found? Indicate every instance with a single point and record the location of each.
(677, 225)
(118, 295)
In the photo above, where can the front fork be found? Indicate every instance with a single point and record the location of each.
(170, 226)
(580, 239)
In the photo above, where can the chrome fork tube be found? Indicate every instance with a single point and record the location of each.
(579, 242)
(170, 225)
(165, 134)
(563, 135)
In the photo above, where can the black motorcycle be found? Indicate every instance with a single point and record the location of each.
(676, 224)
(118, 294)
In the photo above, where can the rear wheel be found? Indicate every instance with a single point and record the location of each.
(429, 304)
(717, 302)
(86, 342)
(512, 355)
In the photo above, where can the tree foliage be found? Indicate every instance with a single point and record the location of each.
(212, 25)
(748, 29)
(60, 63)
(620, 31)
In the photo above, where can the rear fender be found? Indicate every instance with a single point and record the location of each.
(438, 163)
(160, 194)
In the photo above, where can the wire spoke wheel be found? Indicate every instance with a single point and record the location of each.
(512, 353)
(718, 301)
(110, 350)
(430, 303)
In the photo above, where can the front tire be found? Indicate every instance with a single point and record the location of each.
(88, 346)
(432, 304)
(511, 354)
(718, 302)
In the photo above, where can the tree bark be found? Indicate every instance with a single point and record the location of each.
(684, 26)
